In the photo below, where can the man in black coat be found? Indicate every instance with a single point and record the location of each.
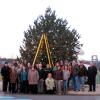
(92, 72)
(41, 79)
(5, 72)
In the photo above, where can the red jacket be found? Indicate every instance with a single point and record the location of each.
(58, 75)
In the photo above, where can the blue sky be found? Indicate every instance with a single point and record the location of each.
(16, 15)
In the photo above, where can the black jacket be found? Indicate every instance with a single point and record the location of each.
(75, 70)
(92, 72)
(82, 71)
(48, 70)
(5, 72)
(41, 73)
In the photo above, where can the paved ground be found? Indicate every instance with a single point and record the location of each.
(47, 97)
(71, 95)
(86, 91)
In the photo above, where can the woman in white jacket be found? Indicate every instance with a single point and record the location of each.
(50, 84)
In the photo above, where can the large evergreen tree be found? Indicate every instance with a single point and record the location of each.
(62, 39)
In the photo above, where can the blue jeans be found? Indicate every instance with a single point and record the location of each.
(65, 86)
(81, 82)
(76, 85)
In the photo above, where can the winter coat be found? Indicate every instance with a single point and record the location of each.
(75, 70)
(48, 70)
(82, 71)
(41, 73)
(13, 76)
(23, 75)
(5, 72)
(58, 75)
(92, 72)
(50, 83)
(54, 68)
(18, 73)
(33, 77)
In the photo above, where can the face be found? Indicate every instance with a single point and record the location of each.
(81, 64)
(29, 65)
(12, 67)
(57, 64)
(25, 62)
(61, 62)
(48, 66)
(58, 68)
(6, 64)
(66, 63)
(74, 63)
(92, 64)
(23, 68)
(66, 68)
(69, 64)
(40, 66)
(17, 62)
(49, 75)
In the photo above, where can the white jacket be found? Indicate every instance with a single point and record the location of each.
(50, 83)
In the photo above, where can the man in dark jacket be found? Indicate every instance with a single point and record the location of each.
(48, 70)
(41, 79)
(5, 72)
(92, 72)
(82, 75)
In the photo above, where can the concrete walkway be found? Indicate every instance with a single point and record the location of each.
(97, 92)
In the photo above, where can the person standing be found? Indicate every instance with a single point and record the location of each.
(24, 79)
(5, 72)
(48, 69)
(58, 76)
(41, 79)
(50, 84)
(82, 75)
(13, 79)
(18, 79)
(55, 67)
(75, 72)
(33, 78)
(71, 75)
(92, 72)
(29, 66)
(98, 76)
(66, 75)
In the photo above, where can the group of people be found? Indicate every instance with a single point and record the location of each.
(58, 79)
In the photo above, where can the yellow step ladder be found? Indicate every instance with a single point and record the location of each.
(44, 41)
